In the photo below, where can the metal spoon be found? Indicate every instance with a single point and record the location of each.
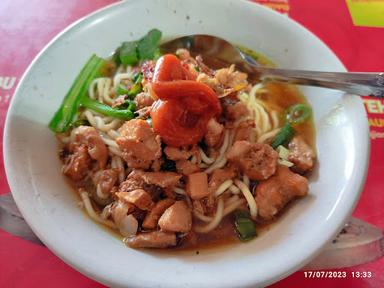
(218, 52)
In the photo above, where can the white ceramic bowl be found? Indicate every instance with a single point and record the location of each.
(33, 168)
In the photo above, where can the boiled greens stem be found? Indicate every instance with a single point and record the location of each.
(68, 110)
(106, 110)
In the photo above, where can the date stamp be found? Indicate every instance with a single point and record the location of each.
(337, 274)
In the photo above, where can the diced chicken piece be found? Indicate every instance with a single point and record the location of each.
(215, 132)
(120, 209)
(186, 167)
(77, 164)
(153, 216)
(258, 161)
(301, 155)
(143, 99)
(88, 136)
(245, 131)
(156, 239)
(139, 144)
(106, 180)
(124, 220)
(218, 177)
(229, 77)
(150, 182)
(197, 185)
(177, 218)
(138, 197)
(132, 183)
(237, 111)
(161, 179)
(129, 226)
(175, 154)
(274, 193)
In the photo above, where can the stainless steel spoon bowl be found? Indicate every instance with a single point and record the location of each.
(218, 52)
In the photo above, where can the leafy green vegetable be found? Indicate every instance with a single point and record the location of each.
(128, 53)
(106, 110)
(137, 87)
(121, 90)
(134, 90)
(67, 112)
(128, 104)
(245, 226)
(298, 113)
(284, 136)
(146, 48)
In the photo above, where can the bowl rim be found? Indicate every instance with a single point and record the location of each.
(363, 168)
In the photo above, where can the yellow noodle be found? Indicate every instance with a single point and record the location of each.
(223, 187)
(92, 213)
(249, 197)
(215, 221)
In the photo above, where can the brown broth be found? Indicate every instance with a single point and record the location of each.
(280, 96)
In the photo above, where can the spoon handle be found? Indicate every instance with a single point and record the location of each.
(365, 84)
(360, 83)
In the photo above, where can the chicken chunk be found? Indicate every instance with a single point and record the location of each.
(156, 239)
(245, 131)
(218, 177)
(177, 218)
(154, 183)
(140, 198)
(197, 185)
(124, 220)
(274, 193)
(161, 179)
(106, 180)
(143, 99)
(88, 136)
(301, 155)
(258, 161)
(77, 163)
(153, 216)
(236, 111)
(186, 167)
(215, 132)
(139, 144)
(175, 154)
(120, 209)
(132, 183)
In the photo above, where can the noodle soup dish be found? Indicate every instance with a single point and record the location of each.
(170, 152)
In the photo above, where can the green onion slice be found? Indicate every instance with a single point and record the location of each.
(283, 136)
(245, 226)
